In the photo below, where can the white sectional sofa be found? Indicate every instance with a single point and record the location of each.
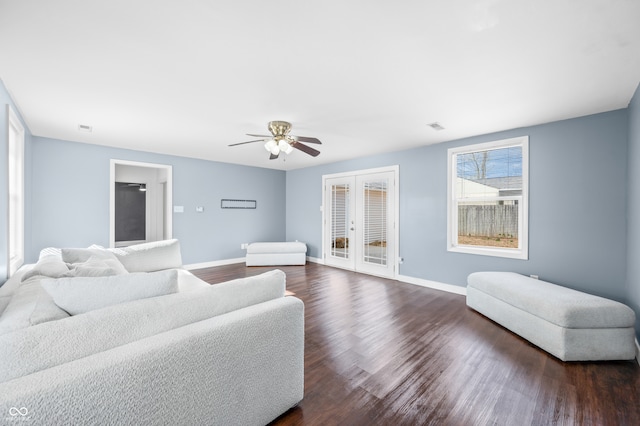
(231, 353)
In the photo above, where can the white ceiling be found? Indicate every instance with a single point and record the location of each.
(190, 77)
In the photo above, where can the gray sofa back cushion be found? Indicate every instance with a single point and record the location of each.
(56, 342)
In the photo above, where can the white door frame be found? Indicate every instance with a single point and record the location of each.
(393, 257)
(168, 199)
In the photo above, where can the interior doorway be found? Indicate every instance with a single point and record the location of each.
(140, 203)
(360, 212)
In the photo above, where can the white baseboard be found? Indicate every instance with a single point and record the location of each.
(213, 263)
(450, 288)
(315, 260)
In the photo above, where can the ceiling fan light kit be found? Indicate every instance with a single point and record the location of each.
(281, 141)
(285, 146)
(271, 146)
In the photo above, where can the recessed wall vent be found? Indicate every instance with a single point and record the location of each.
(85, 128)
(435, 126)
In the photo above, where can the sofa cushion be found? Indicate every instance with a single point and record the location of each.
(49, 265)
(53, 343)
(50, 251)
(34, 305)
(80, 255)
(149, 257)
(97, 266)
(29, 305)
(94, 261)
(14, 281)
(78, 295)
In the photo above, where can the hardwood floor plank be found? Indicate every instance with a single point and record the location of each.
(381, 352)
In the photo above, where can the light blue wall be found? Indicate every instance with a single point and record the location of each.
(70, 192)
(633, 215)
(5, 99)
(577, 228)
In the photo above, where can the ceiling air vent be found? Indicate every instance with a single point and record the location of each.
(435, 126)
(85, 128)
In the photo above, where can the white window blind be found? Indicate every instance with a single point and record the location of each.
(16, 191)
(375, 222)
(340, 220)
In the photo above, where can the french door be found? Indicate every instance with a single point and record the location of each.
(360, 222)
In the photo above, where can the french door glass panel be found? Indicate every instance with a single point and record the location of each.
(339, 230)
(374, 244)
(340, 220)
(375, 224)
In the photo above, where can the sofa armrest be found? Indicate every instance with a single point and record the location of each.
(244, 367)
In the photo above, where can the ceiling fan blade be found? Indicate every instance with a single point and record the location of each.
(260, 136)
(307, 139)
(242, 143)
(307, 149)
(273, 157)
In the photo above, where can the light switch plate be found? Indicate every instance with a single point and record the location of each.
(178, 209)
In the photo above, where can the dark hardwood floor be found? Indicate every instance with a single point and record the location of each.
(382, 352)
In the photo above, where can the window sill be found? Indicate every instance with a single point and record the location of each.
(491, 251)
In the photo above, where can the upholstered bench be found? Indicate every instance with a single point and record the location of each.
(268, 254)
(569, 324)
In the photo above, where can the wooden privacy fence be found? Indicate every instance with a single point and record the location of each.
(488, 220)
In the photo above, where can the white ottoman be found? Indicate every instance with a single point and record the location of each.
(569, 324)
(271, 254)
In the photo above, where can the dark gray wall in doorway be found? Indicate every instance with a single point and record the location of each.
(130, 212)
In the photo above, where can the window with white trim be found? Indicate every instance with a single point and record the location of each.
(15, 139)
(488, 198)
